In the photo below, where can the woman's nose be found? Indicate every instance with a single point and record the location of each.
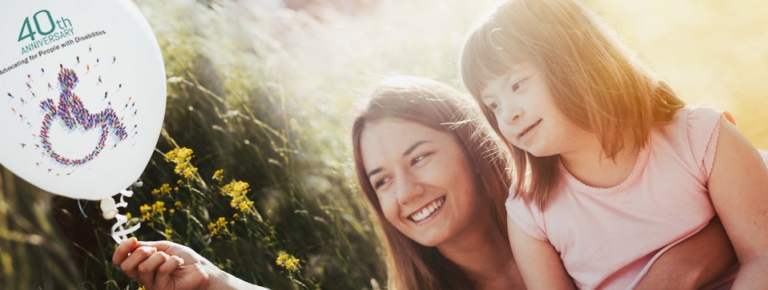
(407, 189)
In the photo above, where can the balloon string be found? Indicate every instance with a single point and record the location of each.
(119, 233)
(79, 205)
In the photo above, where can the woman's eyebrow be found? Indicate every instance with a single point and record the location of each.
(374, 171)
(414, 146)
(405, 153)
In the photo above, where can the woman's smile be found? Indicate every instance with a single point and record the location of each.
(428, 211)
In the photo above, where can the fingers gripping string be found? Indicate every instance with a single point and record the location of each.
(109, 210)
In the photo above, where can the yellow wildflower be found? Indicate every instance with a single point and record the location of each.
(146, 212)
(177, 204)
(213, 229)
(245, 205)
(168, 233)
(218, 175)
(128, 215)
(163, 190)
(158, 207)
(292, 264)
(237, 190)
(189, 171)
(287, 261)
(216, 227)
(181, 157)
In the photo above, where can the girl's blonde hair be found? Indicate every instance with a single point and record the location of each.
(596, 81)
(439, 107)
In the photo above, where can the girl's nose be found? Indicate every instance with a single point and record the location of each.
(407, 189)
(510, 114)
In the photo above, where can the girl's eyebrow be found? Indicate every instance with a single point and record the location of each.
(405, 153)
(507, 76)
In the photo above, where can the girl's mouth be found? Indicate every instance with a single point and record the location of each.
(522, 134)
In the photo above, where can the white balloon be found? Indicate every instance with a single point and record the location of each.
(82, 95)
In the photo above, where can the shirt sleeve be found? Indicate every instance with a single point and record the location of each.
(703, 124)
(526, 215)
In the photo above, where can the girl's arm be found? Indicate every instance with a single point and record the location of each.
(693, 263)
(538, 261)
(738, 186)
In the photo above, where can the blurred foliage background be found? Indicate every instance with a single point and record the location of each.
(263, 89)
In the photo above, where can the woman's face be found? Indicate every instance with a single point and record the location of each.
(422, 179)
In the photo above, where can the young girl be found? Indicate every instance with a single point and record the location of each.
(613, 169)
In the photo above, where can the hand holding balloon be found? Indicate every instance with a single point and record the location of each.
(158, 265)
(167, 265)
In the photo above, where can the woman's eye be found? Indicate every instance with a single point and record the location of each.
(493, 106)
(516, 85)
(419, 158)
(380, 183)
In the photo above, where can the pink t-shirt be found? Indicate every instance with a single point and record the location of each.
(608, 238)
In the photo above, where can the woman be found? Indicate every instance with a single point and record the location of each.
(436, 178)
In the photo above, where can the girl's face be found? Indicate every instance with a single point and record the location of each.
(422, 179)
(527, 115)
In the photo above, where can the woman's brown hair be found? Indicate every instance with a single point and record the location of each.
(439, 107)
(596, 81)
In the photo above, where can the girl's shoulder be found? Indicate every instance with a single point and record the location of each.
(693, 120)
(691, 135)
(698, 112)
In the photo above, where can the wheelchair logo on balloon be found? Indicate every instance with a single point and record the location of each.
(62, 105)
(73, 113)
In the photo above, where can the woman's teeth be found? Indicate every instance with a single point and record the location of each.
(428, 210)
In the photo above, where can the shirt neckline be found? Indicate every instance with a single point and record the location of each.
(642, 160)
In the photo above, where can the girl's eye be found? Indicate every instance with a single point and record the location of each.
(516, 85)
(419, 158)
(379, 183)
(492, 106)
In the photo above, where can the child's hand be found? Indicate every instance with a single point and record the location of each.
(162, 265)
